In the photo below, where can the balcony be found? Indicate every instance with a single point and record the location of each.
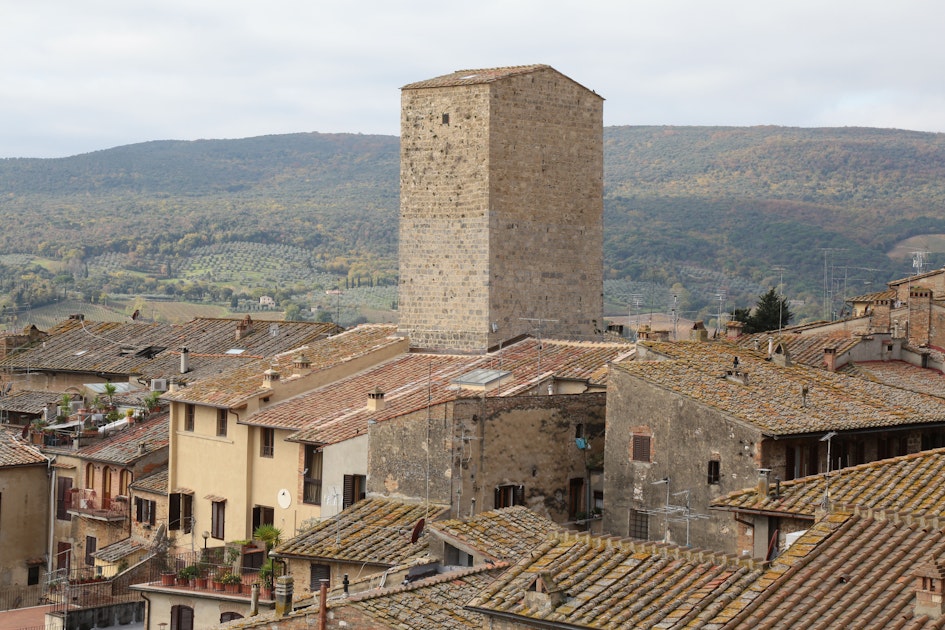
(84, 502)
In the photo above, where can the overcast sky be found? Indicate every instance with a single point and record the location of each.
(79, 76)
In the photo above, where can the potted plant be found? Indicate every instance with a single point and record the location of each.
(217, 581)
(188, 575)
(269, 534)
(231, 582)
(266, 572)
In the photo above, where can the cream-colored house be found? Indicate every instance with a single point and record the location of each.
(24, 504)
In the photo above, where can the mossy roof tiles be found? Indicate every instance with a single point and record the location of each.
(609, 583)
(15, 452)
(849, 571)
(903, 375)
(155, 483)
(28, 401)
(137, 348)
(502, 534)
(912, 484)
(374, 530)
(807, 349)
(432, 603)
(772, 400)
(233, 387)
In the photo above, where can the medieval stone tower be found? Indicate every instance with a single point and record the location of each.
(501, 208)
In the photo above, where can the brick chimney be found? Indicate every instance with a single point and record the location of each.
(244, 327)
(698, 332)
(929, 581)
(830, 359)
(733, 329)
(375, 400)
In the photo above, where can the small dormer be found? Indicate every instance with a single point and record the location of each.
(375, 400)
(929, 582)
(544, 593)
(780, 355)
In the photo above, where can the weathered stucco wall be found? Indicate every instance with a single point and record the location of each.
(24, 492)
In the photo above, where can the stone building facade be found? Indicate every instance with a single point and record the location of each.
(495, 452)
(501, 208)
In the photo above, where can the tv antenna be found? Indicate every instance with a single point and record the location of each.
(919, 261)
(675, 513)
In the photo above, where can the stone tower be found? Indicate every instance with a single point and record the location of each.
(501, 208)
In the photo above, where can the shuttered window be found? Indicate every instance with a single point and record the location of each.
(640, 448)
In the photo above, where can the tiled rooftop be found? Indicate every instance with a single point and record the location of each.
(433, 603)
(15, 452)
(888, 294)
(609, 583)
(904, 375)
(155, 483)
(123, 447)
(137, 348)
(807, 349)
(373, 530)
(772, 399)
(121, 549)
(911, 483)
(234, 386)
(28, 401)
(502, 534)
(474, 77)
(849, 572)
(411, 381)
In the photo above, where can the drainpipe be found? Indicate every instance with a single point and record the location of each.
(51, 534)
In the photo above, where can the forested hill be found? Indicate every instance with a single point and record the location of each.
(710, 208)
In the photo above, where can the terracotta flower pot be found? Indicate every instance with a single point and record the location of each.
(233, 588)
(167, 579)
(202, 582)
(217, 585)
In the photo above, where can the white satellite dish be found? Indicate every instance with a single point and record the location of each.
(284, 498)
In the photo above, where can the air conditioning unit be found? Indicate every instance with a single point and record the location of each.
(158, 384)
(84, 504)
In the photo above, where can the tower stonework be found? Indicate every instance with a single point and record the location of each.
(501, 208)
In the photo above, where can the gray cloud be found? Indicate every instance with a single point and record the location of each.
(78, 77)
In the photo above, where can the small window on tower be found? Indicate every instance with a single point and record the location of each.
(446, 119)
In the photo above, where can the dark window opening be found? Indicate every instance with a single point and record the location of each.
(715, 471)
(63, 498)
(353, 489)
(217, 519)
(312, 476)
(507, 496)
(190, 413)
(145, 511)
(91, 544)
(32, 575)
(182, 618)
(267, 446)
(576, 498)
(263, 515)
(317, 573)
(180, 512)
(446, 119)
(221, 422)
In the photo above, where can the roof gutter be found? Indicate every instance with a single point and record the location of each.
(842, 432)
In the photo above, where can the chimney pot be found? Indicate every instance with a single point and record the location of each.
(376, 400)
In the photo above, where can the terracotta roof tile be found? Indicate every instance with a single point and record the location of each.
(14, 452)
(411, 381)
(374, 530)
(771, 400)
(911, 483)
(123, 447)
(502, 534)
(808, 348)
(608, 583)
(233, 387)
(474, 77)
(849, 572)
(154, 484)
(28, 401)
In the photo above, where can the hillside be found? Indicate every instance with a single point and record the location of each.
(695, 212)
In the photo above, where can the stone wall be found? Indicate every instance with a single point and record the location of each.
(479, 444)
(501, 211)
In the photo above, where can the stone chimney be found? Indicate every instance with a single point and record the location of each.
(270, 378)
(142, 448)
(698, 332)
(929, 581)
(830, 359)
(244, 327)
(284, 593)
(763, 483)
(733, 329)
(301, 363)
(920, 316)
(781, 356)
(184, 360)
(375, 400)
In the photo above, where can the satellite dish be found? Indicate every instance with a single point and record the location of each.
(284, 498)
(417, 530)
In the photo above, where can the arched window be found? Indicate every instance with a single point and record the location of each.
(106, 486)
(182, 618)
(90, 476)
